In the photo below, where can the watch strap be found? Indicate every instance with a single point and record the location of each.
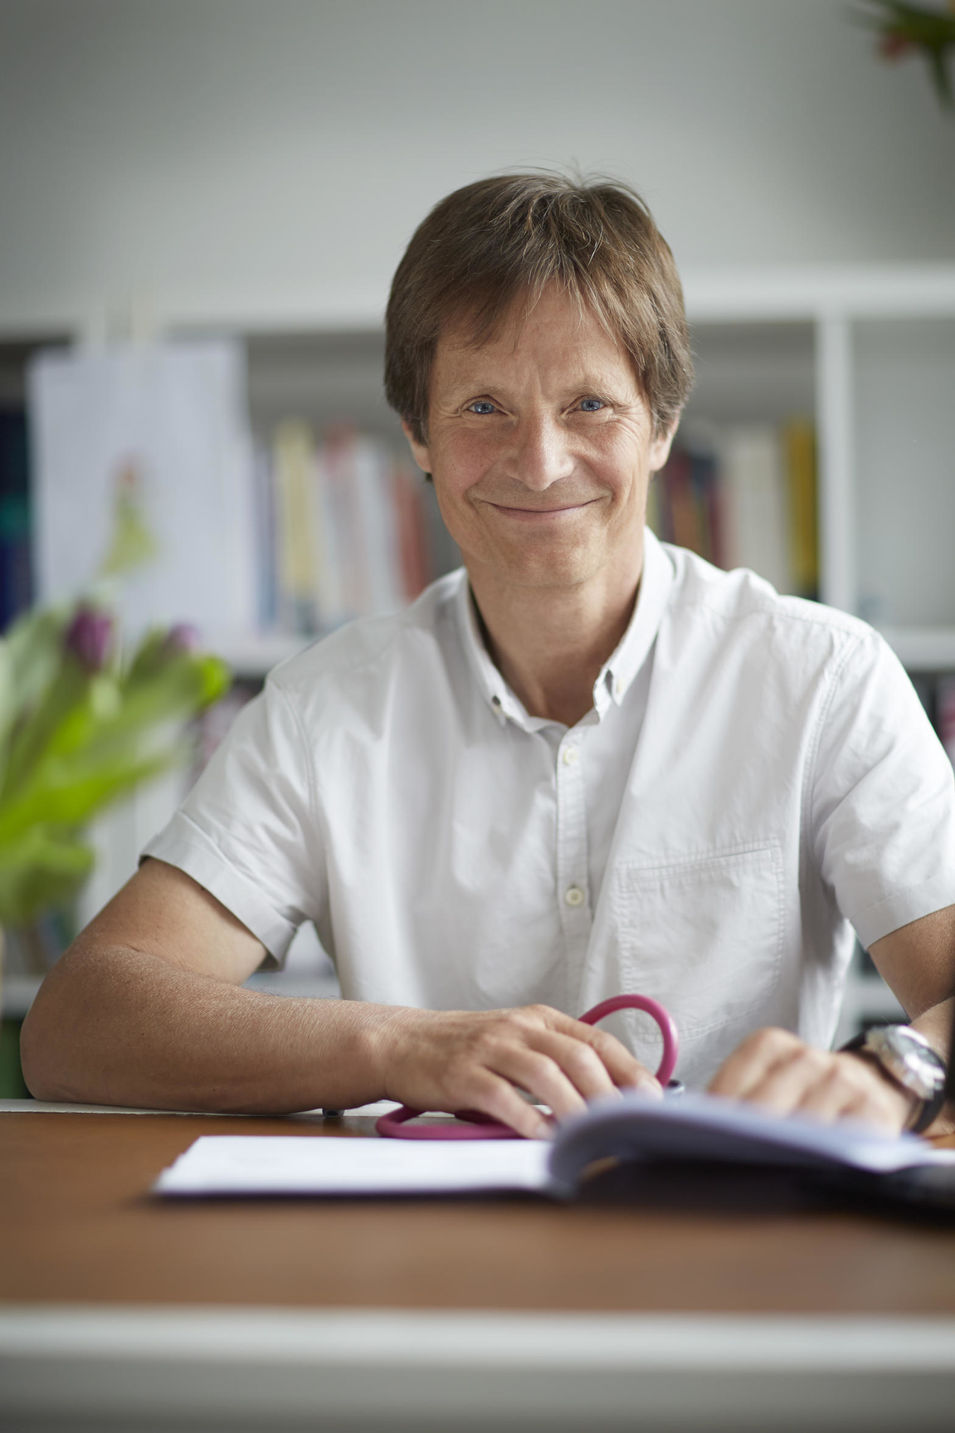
(929, 1112)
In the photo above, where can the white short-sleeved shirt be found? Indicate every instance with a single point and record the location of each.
(756, 778)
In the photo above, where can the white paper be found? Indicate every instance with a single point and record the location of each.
(171, 420)
(293, 1164)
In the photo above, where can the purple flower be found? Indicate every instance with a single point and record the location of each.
(89, 637)
(183, 637)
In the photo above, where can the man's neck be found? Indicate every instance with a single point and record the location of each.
(550, 644)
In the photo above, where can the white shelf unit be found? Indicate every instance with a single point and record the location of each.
(830, 342)
(882, 364)
(867, 352)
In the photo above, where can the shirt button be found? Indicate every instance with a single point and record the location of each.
(569, 755)
(574, 896)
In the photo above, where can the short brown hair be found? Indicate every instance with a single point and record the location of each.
(501, 239)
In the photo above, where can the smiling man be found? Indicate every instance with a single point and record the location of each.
(541, 446)
(585, 763)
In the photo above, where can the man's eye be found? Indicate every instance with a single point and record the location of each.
(591, 405)
(481, 405)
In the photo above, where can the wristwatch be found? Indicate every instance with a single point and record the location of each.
(908, 1059)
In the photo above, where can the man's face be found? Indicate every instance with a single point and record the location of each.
(541, 448)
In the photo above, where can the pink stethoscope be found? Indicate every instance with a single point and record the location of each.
(472, 1125)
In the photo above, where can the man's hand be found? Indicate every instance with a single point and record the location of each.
(457, 1060)
(776, 1069)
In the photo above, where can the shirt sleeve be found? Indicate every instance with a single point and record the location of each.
(247, 831)
(883, 796)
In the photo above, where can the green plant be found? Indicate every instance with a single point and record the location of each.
(82, 724)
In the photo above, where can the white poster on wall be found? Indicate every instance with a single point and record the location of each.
(165, 428)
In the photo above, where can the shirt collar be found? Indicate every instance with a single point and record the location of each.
(491, 684)
(632, 650)
(617, 673)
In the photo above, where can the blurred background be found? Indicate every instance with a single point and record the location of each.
(201, 206)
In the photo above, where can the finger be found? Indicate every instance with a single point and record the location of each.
(878, 1100)
(561, 1072)
(831, 1097)
(743, 1072)
(834, 1100)
(786, 1084)
(778, 1071)
(499, 1099)
(623, 1068)
(846, 1088)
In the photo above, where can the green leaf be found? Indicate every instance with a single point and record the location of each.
(96, 715)
(31, 656)
(61, 716)
(70, 791)
(44, 868)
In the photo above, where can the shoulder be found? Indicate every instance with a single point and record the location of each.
(371, 653)
(739, 609)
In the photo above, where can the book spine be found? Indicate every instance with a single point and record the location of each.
(745, 498)
(412, 533)
(347, 532)
(799, 448)
(295, 526)
(16, 574)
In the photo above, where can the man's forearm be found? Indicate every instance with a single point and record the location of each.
(116, 1026)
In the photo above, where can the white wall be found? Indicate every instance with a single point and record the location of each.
(228, 155)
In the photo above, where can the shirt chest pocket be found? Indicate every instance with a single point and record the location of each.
(702, 934)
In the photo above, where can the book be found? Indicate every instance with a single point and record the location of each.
(16, 578)
(685, 503)
(348, 528)
(297, 512)
(632, 1129)
(757, 534)
(744, 496)
(799, 459)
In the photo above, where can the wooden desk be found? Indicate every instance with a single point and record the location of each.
(122, 1311)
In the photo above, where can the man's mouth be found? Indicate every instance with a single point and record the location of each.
(522, 511)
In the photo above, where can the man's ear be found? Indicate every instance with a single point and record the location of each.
(419, 449)
(660, 445)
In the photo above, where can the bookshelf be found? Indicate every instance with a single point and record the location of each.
(875, 331)
(867, 354)
(832, 343)
(835, 343)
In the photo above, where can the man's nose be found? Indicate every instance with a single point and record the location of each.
(541, 454)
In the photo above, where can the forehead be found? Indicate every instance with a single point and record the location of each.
(552, 335)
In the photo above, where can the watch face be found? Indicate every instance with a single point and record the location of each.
(910, 1058)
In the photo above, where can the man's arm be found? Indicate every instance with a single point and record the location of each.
(147, 1009)
(775, 1068)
